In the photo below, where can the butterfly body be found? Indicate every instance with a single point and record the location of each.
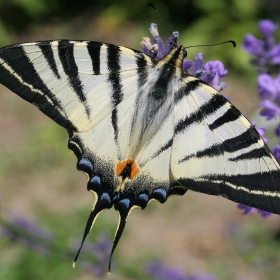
(142, 128)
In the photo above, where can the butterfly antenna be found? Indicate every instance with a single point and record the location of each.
(229, 41)
(162, 20)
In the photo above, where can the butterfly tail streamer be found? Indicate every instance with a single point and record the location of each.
(102, 204)
(124, 208)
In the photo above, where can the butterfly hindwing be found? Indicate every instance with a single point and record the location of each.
(217, 151)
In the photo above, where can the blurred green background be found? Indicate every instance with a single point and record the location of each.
(39, 181)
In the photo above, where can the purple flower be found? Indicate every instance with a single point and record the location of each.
(264, 214)
(97, 255)
(270, 110)
(161, 272)
(198, 65)
(21, 229)
(261, 131)
(157, 49)
(269, 87)
(277, 130)
(274, 54)
(253, 45)
(267, 27)
(219, 68)
(187, 63)
(248, 210)
(267, 53)
(276, 152)
(210, 73)
(171, 42)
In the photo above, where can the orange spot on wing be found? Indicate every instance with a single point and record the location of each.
(134, 170)
(121, 165)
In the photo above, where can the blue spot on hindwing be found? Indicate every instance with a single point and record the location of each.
(95, 180)
(85, 165)
(142, 200)
(123, 205)
(160, 194)
(105, 200)
(105, 196)
(94, 184)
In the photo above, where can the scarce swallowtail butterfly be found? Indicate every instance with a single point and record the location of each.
(141, 127)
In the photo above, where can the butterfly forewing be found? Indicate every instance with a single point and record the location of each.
(70, 81)
(217, 151)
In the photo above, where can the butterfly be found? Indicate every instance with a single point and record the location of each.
(141, 127)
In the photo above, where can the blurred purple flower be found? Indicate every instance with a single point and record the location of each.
(267, 27)
(198, 65)
(98, 254)
(269, 87)
(264, 214)
(187, 63)
(219, 68)
(261, 131)
(21, 229)
(266, 52)
(270, 110)
(253, 45)
(276, 152)
(210, 73)
(247, 210)
(161, 272)
(277, 130)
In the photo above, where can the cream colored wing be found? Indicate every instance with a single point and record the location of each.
(217, 151)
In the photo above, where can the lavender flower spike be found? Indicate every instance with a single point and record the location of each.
(270, 110)
(219, 68)
(157, 49)
(267, 27)
(276, 152)
(274, 54)
(198, 65)
(161, 272)
(269, 87)
(253, 45)
(247, 210)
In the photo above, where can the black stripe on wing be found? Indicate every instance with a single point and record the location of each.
(141, 68)
(260, 190)
(94, 49)
(206, 109)
(256, 153)
(230, 115)
(244, 140)
(66, 56)
(47, 51)
(114, 67)
(19, 75)
(184, 91)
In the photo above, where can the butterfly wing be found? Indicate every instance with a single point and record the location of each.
(217, 151)
(75, 83)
